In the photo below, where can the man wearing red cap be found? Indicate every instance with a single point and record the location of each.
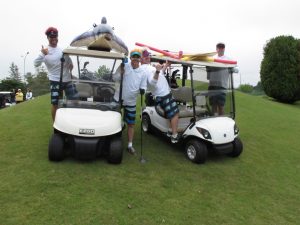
(51, 56)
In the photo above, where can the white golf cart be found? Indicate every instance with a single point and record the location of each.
(88, 120)
(5, 99)
(200, 129)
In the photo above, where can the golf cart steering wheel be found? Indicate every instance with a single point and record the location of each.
(105, 88)
(104, 107)
(106, 92)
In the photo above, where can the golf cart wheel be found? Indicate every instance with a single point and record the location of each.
(115, 153)
(196, 151)
(237, 148)
(56, 148)
(146, 123)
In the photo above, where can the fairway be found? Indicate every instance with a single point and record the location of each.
(260, 187)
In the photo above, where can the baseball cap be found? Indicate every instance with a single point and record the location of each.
(135, 51)
(51, 32)
(220, 45)
(146, 53)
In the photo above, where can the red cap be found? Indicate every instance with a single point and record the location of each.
(51, 32)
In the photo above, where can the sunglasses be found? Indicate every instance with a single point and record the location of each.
(135, 57)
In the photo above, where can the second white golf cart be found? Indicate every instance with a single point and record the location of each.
(88, 120)
(200, 128)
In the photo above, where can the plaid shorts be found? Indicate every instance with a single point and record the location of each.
(54, 90)
(168, 104)
(129, 114)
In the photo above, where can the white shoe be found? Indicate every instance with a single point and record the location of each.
(131, 150)
(169, 133)
(174, 139)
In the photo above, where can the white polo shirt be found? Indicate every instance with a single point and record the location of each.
(53, 64)
(133, 81)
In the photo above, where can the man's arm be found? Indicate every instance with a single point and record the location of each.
(120, 71)
(40, 59)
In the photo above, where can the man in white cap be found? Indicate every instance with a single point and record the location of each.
(134, 82)
(218, 82)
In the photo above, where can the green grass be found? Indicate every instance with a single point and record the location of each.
(262, 186)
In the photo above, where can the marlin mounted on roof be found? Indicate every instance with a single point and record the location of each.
(101, 38)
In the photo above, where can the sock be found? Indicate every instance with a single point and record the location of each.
(174, 135)
(129, 144)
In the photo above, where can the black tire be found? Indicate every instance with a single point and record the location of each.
(196, 151)
(115, 153)
(56, 148)
(237, 148)
(146, 124)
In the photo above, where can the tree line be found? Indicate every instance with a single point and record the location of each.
(38, 82)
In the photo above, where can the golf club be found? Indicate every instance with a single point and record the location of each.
(142, 159)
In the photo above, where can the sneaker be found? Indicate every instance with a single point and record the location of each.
(174, 139)
(131, 150)
(169, 133)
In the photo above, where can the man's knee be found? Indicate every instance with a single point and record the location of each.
(131, 126)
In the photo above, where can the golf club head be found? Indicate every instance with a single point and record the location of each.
(143, 160)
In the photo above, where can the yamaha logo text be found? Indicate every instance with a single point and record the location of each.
(87, 131)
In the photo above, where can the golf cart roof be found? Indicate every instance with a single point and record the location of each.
(93, 53)
(5, 92)
(156, 58)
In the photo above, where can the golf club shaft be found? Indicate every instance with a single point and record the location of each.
(141, 126)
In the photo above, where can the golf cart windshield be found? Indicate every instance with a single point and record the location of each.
(91, 83)
(213, 90)
(201, 89)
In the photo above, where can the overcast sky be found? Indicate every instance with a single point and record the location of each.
(188, 25)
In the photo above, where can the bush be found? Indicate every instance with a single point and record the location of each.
(279, 70)
(258, 89)
(246, 88)
(8, 84)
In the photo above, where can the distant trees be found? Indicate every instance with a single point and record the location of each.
(280, 69)
(246, 88)
(103, 72)
(14, 73)
(37, 82)
(13, 81)
(253, 90)
(9, 84)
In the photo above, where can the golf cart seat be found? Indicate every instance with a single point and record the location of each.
(84, 90)
(183, 95)
(104, 93)
(149, 99)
